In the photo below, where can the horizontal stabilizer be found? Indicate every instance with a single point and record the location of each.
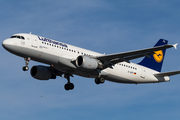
(167, 74)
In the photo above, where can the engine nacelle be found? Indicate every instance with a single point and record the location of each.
(88, 63)
(41, 73)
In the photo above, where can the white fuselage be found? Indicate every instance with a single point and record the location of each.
(62, 57)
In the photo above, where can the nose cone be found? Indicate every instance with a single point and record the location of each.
(7, 44)
(12, 46)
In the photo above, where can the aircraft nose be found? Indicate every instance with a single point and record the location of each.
(12, 46)
(7, 43)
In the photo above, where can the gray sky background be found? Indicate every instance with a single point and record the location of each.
(100, 25)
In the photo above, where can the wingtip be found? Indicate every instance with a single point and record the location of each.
(175, 45)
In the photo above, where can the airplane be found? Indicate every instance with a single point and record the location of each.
(65, 60)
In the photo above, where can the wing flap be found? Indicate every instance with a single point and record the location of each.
(167, 74)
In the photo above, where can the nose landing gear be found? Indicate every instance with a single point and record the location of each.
(26, 68)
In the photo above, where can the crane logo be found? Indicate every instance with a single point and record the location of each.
(158, 56)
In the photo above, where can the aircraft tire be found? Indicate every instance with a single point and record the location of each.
(69, 86)
(101, 80)
(25, 68)
(66, 86)
(97, 81)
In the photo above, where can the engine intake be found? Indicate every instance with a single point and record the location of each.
(88, 63)
(42, 73)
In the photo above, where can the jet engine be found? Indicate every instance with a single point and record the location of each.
(42, 73)
(88, 63)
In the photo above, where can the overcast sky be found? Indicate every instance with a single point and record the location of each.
(105, 26)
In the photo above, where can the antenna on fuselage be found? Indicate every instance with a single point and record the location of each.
(30, 33)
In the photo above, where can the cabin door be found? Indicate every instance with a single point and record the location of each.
(34, 41)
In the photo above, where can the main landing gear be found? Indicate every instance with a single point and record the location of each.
(69, 85)
(26, 68)
(99, 80)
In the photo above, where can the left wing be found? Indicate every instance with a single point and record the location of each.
(112, 59)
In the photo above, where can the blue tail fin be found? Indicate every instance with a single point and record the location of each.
(156, 60)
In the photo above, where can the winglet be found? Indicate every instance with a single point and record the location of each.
(175, 45)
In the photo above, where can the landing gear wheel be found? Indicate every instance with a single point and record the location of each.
(66, 87)
(69, 86)
(102, 80)
(99, 80)
(25, 68)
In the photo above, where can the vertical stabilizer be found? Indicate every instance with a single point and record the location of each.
(156, 60)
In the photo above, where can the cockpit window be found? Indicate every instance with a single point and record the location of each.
(22, 37)
(13, 36)
(16, 36)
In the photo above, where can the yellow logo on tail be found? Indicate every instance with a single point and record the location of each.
(158, 56)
